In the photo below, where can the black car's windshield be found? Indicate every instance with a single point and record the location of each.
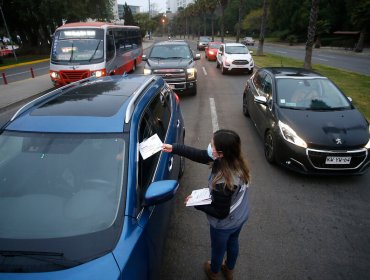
(57, 185)
(170, 52)
(78, 46)
(313, 94)
(236, 50)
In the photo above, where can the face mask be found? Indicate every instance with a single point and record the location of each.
(209, 150)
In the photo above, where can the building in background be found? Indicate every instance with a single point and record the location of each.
(120, 10)
(174, 5)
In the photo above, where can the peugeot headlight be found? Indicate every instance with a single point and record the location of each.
(291, 136)
(191, 73)
(147, 71)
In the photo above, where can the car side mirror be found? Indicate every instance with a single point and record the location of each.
(160, 192)
(144, 57)
(251, 52)
(350, 99)
(260, 100)
(197, 56)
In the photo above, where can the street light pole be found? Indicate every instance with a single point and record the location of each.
(7, 31)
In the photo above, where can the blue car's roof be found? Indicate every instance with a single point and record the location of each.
(97, 106)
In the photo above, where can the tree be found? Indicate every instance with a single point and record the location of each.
(266, 4)
(128, 17)
(223, 5)
(239, 21)
(361, 19)
(210, 7)
(311, 33)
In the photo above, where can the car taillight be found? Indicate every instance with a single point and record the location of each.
(177, 98)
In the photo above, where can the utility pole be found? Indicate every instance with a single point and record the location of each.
(7, 31)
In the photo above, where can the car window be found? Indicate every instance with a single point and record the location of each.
(257, 81)
(62, 195)
(315, 94)
(155, 120)
(236, 50)
(170, 51)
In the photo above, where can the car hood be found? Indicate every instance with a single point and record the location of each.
(169, 63)
(322, 129)
(239, 56)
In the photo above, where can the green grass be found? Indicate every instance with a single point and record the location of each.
(353, 85)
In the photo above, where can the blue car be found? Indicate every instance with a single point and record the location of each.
(77, 199)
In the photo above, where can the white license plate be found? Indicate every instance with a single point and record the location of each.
(338, 160)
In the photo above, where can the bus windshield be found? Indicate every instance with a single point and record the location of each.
(78, 46)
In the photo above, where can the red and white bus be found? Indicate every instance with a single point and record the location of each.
(86, 49)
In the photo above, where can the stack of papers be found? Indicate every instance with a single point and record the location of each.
(199, 197)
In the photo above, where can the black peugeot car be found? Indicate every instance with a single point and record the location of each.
(306, 122)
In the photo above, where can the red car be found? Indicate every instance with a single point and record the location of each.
(211, 50)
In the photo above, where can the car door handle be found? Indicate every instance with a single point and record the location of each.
(178, 123)
(170, 164)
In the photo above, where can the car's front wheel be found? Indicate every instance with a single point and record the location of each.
(223, 71)
(269, 142)
(217, 64)
(245, 106)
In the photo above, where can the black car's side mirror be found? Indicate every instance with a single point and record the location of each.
(260, 100)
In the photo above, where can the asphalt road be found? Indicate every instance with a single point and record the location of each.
(300, 227)
(338, 58)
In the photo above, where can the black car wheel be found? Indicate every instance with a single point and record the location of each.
(223, 71)
(194, 91)
(270, 147)
(217, 64)
(245, 106)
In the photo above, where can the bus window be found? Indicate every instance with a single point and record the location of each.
(110, 47)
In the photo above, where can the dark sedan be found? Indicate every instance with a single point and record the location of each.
(307, 123)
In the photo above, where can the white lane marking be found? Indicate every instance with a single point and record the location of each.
(204, 71)
(213, 114)
(281, 52)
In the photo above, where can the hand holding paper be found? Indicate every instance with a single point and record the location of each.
(150, 146)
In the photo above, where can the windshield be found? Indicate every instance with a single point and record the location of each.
(170, 52)
(236, 50)
(214, 46)
(315, 94)
(57, 185)
(78, 46)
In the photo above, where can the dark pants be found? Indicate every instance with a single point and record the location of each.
(224, 240)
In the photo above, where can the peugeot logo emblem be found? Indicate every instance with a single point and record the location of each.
(338, 141)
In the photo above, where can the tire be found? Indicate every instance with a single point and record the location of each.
(270, 147)
(217, 64)
(245, 106)
(250, 71)
(193, 92)
(223, 71)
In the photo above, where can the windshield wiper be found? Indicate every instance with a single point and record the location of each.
(156, 57)
(96, 49)
(70, 59)
(55, 258)
(175, 57)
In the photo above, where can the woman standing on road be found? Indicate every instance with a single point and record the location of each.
(228, 183)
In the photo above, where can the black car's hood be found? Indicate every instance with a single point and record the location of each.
(341, 129)
(169, 63)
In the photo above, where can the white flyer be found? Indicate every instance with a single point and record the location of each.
(150, 146)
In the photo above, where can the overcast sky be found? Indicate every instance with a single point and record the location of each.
(160, 4)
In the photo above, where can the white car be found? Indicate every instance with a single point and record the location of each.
(234, 57)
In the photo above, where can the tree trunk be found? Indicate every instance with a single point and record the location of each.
(205, 24)
(360, 43)
(239, 21)
(222, 23)
(212, 27)
(261, 41)
(311, 34)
